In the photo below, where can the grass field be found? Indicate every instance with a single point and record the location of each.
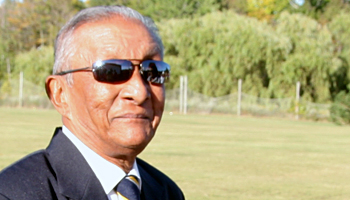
(220, 157)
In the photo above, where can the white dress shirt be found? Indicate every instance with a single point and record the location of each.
(106, 172)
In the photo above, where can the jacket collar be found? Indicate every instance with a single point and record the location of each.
(151, 189)
(75, 178)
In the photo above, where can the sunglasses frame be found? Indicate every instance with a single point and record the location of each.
(100, 63)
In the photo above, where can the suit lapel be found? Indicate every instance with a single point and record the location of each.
(75, 178)
(151, 189)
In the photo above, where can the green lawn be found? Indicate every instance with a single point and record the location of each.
(220, 157)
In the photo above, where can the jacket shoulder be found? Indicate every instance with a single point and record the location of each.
(148, 172)
(28, 178)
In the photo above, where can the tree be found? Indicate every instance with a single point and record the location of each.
(311, 60)
(36, 64)
(323, 10)
(339, 27)
(32, 23)
(7, 41)
(221, 47)
(265, 9)
(340, 109)
(29, 24)
(160, 9)
(106, 2)
(319, 5)
(239, 6)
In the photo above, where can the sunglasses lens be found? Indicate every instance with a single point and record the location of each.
(155, 71)
(111, 71)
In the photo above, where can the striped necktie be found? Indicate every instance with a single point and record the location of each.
(128, 188)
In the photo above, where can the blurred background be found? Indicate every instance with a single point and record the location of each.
(232, 60)
(243, 57)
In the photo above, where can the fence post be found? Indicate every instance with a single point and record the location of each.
(20, 97)
(181, 93)
(239, 98)
(297, 99)
(185, 95)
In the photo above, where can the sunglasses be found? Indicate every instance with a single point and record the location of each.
(114, 70)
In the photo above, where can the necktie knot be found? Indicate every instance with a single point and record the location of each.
(128, 188)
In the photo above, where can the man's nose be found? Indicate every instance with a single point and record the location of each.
(136, 89)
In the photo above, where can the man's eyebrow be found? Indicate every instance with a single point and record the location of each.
(149, 54)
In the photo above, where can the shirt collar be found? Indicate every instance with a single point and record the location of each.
(106, 172)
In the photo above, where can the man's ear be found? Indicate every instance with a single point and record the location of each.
(56, 90)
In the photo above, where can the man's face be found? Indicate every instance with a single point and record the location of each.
(114, 119)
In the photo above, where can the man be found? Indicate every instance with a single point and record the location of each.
(107, 84)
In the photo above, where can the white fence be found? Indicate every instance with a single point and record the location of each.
(26, 94)
(35, 96)
(249, 105)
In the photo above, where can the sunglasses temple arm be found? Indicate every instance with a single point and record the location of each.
(71, 71)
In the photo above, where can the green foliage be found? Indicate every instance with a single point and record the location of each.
(105, 2)
(26, 25)
(332, 9)
(213, 48)
(265, 9)
(322, 10)
(31, 23)
(219, 48)
(2, 59)
(160, 9)
(340, 110)
(36, 64)
(341, 34)
(239, 6)
(311, 61)
(6, 40)
(319, 5)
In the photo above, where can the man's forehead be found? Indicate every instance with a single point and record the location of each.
(117, 35)
(112, 27)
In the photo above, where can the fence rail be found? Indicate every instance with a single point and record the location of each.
(249, 105)
(35, 97)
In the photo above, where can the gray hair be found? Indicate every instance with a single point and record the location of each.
(65, 48)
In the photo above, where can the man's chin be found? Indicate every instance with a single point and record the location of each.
(132, 137)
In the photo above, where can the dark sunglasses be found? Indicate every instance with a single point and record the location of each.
(114, 70)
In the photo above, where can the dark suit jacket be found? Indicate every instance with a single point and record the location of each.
(61, 172)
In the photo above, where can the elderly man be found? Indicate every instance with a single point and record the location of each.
(108, 85)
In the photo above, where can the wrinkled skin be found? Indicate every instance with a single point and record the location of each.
(117, 120)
